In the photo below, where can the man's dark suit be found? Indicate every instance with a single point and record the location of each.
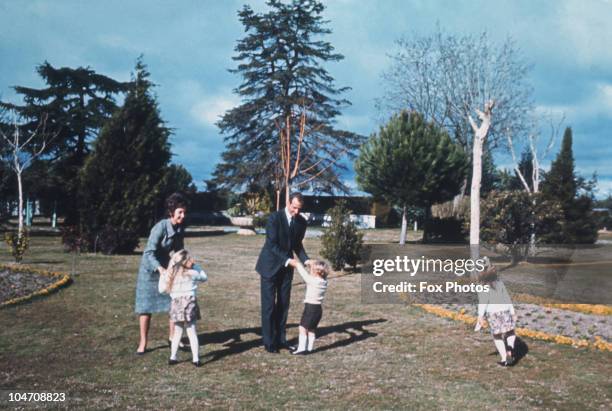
(281, 242)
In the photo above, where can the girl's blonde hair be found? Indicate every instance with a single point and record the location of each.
(489, 274)
(176, 267)
(319, 266)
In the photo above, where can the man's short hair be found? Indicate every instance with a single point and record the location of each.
(297, 195)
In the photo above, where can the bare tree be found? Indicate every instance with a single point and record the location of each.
(451, 80)
(23, 147)
(303, 158)
(533, 138)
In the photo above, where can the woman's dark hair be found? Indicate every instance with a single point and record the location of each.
(174, 201)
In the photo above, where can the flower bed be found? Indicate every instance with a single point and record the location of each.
(596, 343)
(19, 283)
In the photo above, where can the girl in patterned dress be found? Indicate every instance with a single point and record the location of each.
(181, 280)
(497, 306)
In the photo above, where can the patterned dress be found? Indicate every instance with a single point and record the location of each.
(163, 239)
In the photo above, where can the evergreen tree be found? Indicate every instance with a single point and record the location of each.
(281, 60)
(123, 179)
(411, 162)
(341, 242)
(561, 181)
(490, 176)
(76, 102)
(573, 193)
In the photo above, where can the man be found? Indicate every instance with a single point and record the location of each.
(284, 234)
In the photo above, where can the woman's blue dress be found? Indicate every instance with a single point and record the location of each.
(163, 239)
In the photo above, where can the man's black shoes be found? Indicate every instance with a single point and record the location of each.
(271, 350)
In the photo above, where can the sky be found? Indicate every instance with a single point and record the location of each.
(188, 47)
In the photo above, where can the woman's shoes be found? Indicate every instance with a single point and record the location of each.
(197, 364)
(172, 362)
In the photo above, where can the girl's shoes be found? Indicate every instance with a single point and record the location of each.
(172, 362)
(197, 364)
(503, 363)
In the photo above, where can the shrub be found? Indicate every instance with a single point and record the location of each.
(511, 217)
(445, 230)
(341, 242)
(114, 240)
(72, 239)
(17, 245)
(260, 220)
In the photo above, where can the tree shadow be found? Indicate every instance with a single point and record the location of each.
(234, 343)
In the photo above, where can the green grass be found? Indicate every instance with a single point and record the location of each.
(81, 341)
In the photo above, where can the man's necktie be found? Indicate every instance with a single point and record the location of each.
(291, 230)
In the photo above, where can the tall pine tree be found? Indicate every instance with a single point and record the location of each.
(575, 195)
(284, 82)
(76, 103)
(124, 177)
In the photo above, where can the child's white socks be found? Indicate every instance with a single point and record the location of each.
(501, 348)
(176, 339)
(193, 342)
(302, 343)
(311, 341)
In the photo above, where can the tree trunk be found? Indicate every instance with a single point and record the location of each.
(287, 193)
(475, 192)
(20, 206)
(426, 218)
(480, 135)
(404, 227)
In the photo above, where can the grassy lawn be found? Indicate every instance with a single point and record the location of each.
(81, 341)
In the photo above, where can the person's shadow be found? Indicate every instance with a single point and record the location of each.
(233, 341)
(520, 350)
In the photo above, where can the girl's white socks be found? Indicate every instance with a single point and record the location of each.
(193, 342)
(176, 339)
(501, 348)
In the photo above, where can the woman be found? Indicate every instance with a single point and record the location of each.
(166, 237)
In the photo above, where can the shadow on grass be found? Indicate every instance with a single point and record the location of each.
(233, 339)
(520, 350)
(354, 329)
(209, 233)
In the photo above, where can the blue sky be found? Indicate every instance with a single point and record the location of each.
(188, 47)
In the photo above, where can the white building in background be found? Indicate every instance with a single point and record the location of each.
(362, 221)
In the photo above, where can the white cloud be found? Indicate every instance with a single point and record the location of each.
(208, 110)
(598, 103)
(604, 188)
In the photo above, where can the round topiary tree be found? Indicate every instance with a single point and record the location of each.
(411, 162)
